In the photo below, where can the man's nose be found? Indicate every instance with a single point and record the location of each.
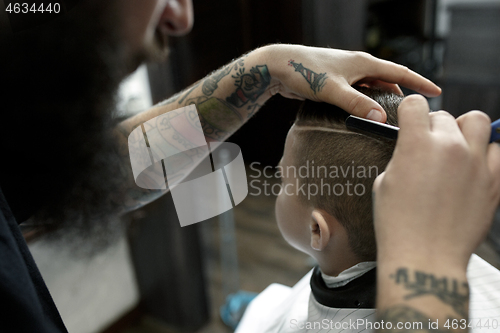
(177, 17)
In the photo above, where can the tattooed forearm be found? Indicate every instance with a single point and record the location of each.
(315, 80)
(210, 83)
(449, 291)
(218, 118)
(404, 319)
(221, 108)
(196, 100)
(250, 86)
(188, 92)
(211, 131)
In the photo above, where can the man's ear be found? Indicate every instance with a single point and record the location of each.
(320, 229)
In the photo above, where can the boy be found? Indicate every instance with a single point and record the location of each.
(324, 209)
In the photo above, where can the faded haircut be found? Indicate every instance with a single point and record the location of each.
(343, 150)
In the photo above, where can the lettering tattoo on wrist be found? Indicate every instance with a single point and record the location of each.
(316, 81)
(449, 291)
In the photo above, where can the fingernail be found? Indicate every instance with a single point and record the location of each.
(374, 115)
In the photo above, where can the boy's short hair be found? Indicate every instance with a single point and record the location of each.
(346, 156)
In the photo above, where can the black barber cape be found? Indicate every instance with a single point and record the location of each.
(25, 302)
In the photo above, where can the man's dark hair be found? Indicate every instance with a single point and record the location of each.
(345, 150)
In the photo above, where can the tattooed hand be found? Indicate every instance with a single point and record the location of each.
(323, 74)
(451, 189)
(432, 207)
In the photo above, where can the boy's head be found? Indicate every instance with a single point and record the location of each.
(325, 205)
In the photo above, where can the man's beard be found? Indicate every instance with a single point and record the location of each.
(60, 159)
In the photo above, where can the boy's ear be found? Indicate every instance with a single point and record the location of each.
(320, 229)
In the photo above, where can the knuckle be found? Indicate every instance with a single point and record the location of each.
(479, 116)
(404, 70)
(412, 101)
(355, 103)
(458, 151)
(363, 55)
(441, 113)
(415, 98)
(477, 166)
(456, 147)
(453, 148)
